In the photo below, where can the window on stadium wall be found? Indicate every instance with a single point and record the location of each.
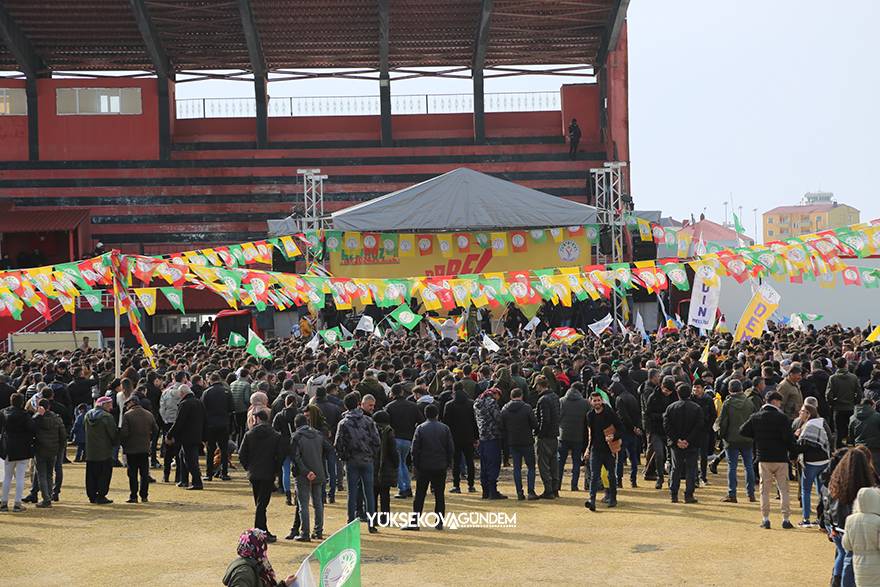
(179, 323)
(122, 101)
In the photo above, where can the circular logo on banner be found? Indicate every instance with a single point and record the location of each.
(678, 275)
(736, 267)
(498, 244)
(767, 259)
(388, 245)
(424, 244)
(855, 242)
(259, 286)
(406, 316)
(621, 274)
(13, 283)
(444, 246)
(339, 569)
(463, 241)
(648, 278)
(351, 287)
(563, 332)
(657, 231)
(519, 290)
(537, 233)
(568, 251)
(824, 246)
(592, 233)
(518, 240)
(560, 290)
(332, 243)
(351, 244)
(851, 274)
(331, 335)
(797, 255)
(869, 277)
(661, 279)
(314, 297)
(369, 241)
(146, 299)
(405, 245)
(459, 291)
(555, 232)
(429, 294)
(706, 271)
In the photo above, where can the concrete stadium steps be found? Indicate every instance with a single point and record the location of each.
(212, 194)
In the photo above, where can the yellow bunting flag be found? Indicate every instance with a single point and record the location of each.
(751, 324)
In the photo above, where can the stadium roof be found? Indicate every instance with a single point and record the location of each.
(135, 35)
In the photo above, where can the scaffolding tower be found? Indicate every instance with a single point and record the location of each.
(313, 205)
(611, 205)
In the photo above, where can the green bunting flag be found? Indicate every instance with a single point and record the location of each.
(331, 335)
(347, 344)
(406, 317)
(810, 317)
(93, 297)
(174, 297)
(677, 275)
(236, 340)
(203, 340)
(255, 346)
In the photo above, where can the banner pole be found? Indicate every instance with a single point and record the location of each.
(116, 355)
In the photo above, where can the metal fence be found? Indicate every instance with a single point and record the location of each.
(366, 105)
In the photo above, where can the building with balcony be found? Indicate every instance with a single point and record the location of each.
(816, 212)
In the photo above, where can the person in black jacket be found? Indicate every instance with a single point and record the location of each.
(332, 415)
(218, 410)
(459, 416)
(17, 426)
(710, 414)
(547, 441)
(627, 408)
(774, 443)
(260, 454)
(518, 422)
(188, 431)
(405, 416)
(683, 424)
(655, 407)
(285, 424)
(600, 448)
(432, 451)
(574, 138)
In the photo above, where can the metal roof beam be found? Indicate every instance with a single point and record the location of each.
(157, 53)
(30, 63)
(612, 31)
(481, 45)
(258, 65)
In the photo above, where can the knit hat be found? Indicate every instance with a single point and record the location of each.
(103, 400)
(811, 401)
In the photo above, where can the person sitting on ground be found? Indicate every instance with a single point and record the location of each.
(252, 567)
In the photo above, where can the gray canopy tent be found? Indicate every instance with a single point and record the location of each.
(462, 199)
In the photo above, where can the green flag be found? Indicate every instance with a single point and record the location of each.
(331, 335)
(604, 395)
(737, 225)
(174, 297)
(340, 557)
(806, 317)
(255, 346)
(347, 344)
(203, 340)
(406, 317)
(93, 297)
(236, 340)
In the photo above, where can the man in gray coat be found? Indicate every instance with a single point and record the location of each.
(573, 409)
(310, 448)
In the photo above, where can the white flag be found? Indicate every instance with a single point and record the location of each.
(313, 344)
(623, 328)
(533, 323)
(640, 325)
(304, 576)
(365, 324)
(602, 325)
(490, 344)
(376, 332)
(345, 332)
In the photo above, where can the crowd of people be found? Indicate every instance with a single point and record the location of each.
(389, 419)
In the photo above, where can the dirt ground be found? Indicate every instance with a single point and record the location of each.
(188, 538)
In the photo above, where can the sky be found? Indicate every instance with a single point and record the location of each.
(750, 101)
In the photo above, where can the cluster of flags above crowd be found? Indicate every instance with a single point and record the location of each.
(230, 272)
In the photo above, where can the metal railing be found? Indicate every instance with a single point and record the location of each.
(286, 106)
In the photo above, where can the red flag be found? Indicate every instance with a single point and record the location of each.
(736, 267)
(518, 241)
(425, 244)
(851, 276)
(658, 233)
(575, 230)
(371, 242)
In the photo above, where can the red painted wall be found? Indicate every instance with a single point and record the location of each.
(13, 131)
(78, 137)
(323, 128)
(582, 101)
(194, 130)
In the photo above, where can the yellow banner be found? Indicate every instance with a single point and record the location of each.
(569, 251)
(751, 324)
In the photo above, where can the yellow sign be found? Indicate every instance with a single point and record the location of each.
(400, 262)
(760, 308)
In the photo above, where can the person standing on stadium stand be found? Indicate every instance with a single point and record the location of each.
(574, 138)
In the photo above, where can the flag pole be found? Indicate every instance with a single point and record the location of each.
(116, 355)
